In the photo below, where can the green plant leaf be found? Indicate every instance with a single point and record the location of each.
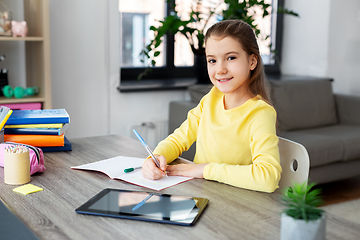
(157, 53)
(301, 201)
(286, 11)
(157, 43)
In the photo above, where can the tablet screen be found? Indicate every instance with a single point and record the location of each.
(145, 206)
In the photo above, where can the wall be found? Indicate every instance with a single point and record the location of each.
(324, 41)
(305, 44)
(79, 57)
(85, 71)
(344, 46)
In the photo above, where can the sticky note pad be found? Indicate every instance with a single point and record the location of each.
(26, 189)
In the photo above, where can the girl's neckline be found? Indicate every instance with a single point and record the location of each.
(236, 107)
(222, 96)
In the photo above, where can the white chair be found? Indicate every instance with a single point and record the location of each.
(295, 163)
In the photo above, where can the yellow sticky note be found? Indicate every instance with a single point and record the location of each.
(26, 189)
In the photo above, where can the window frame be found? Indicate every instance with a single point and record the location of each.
(172, 73)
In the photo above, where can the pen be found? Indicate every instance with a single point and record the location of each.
(127, 170)
(148, 149)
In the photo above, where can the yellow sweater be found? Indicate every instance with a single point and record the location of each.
(239, 144)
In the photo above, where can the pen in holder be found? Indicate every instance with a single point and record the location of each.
(16, 165)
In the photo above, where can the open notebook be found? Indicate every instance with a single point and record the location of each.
(114, 168)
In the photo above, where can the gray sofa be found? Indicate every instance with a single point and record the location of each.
(327, 124)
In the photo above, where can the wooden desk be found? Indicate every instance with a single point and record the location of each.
(232, 213)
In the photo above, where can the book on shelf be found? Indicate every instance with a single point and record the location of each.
(36, 131)
(114, 168)
(36, 140)
(38, 116)
(23, 106)
(67, 147)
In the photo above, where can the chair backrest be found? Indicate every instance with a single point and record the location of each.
(295, 163)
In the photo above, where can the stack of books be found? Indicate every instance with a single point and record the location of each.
(40, 128)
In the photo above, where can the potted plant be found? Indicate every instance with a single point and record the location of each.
(193, 28)
(302, 219)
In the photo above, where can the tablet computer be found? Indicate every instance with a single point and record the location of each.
(145, 206)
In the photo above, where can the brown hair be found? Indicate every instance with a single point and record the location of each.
(244, 34)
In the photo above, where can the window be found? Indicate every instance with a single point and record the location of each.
(136, 18)
(176, 59)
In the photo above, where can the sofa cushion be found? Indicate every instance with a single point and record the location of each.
(348, 108)
(347, 134)
(322, 149)
(329, 144)
(302, 104)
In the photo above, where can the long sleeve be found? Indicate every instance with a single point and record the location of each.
(182, 138)
(240, 145)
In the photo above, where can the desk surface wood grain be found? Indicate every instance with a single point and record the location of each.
(232, 213)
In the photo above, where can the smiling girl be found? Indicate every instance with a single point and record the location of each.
(233, 125)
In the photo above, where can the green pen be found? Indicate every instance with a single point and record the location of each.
(127, 170)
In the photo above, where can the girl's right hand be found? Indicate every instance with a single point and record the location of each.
(150, 171)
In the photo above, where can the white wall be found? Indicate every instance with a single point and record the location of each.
(344, 46)
(305, 38)
(85, 64)
(79, 57)
(324, 41)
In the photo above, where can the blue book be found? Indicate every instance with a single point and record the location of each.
(37, 131)
(38, 116)
(67, 147)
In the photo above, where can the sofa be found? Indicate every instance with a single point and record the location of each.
(308, 112)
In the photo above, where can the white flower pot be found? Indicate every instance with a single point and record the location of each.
(297, 229)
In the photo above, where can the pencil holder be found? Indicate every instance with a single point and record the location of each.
(16, 166)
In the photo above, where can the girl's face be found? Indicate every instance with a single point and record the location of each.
(229, 65)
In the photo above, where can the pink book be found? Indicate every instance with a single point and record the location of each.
(23, 106)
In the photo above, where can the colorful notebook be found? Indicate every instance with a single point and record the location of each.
(36, 140)
(38, 116)
(36, 131)
(67, 147)
(44, 125)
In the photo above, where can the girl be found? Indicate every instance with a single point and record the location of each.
(233, 125)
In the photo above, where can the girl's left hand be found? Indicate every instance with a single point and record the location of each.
(186, 170)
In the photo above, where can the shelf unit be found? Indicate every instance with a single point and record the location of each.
(37, 53)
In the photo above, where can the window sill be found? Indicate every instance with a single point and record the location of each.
(155, 85)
